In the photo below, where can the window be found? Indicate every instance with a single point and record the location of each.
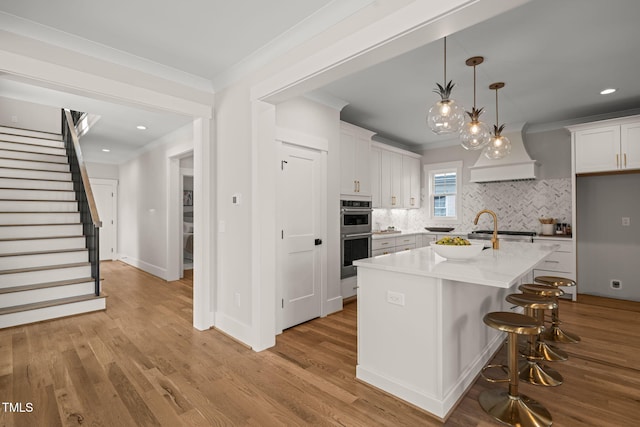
(444, 181)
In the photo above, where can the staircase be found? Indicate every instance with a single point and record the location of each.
(45, 271)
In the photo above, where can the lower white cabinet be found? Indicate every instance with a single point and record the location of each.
(388, 245)
(560, 263)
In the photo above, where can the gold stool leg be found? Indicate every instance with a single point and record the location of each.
(548, 352)
(511, 407)
(554, 333)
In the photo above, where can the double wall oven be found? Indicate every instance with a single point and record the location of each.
(355, 234)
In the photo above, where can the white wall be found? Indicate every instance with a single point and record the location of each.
(102, 170)
(29, 115)
(142, 205)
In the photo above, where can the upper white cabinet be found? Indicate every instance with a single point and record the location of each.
(395, 176)
(355, 160)
(411, 182)
(607, 146)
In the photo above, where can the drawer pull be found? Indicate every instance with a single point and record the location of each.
(553, 262)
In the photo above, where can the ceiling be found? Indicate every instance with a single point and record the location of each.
(554, 56)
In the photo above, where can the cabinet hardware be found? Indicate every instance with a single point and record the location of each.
(384, 243)
(358, 186)
(617, 160)
(413, 201)
(625, 160)
(393, 200)
(355, 186)
(552, 262)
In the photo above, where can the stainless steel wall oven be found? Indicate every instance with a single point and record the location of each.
(355, 234)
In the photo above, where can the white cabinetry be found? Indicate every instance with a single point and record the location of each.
(355, 160)
(560, 263)
(398, 174)
(410, 182)
(388, 245)
(607, 146)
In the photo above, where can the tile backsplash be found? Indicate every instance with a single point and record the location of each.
(518, 205)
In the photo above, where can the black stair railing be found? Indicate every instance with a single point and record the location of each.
(88, 210)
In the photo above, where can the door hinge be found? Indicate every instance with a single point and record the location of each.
(282, 302)
(282, 163)
(282, 234)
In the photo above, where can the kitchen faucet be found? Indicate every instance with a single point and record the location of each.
(495, 244)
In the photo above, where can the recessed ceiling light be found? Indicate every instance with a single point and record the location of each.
(141, 127)
(607, 91)
(106, 150)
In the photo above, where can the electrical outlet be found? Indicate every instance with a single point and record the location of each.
(395, 298)
(616, 284)
(626, 221)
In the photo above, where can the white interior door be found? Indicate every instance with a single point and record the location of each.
(301, 204)
(105, 193)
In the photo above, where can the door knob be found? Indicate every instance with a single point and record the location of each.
(318, 242)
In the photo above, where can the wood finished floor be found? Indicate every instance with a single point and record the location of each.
(140, 363)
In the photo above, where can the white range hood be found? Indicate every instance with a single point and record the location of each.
(515, 167)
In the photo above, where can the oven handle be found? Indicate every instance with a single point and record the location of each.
(357, 235)
(358, 210)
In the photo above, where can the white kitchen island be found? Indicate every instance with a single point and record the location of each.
(421, 336)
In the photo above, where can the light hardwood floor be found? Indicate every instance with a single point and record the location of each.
(141, 363)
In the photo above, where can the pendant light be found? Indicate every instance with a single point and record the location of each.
(499, 146)
(474, 135)
(445, 116)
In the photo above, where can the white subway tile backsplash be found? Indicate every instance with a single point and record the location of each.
(518, 205)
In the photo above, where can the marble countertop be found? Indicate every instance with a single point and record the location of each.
(499, 268)
(378, 235)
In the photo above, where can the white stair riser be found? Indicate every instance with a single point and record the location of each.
(55, 230)
(44, 276)
(25, 317)
(33, 245)
(9, 262)
(36, 157)
(45, 294)
(31, 140)
(28, 194)
(34, 174)
(28, 132)
(39, 218)
(32, 148)
(32, 184)
(38, 206)
(28, 164)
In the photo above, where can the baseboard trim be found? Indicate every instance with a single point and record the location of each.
(145, 266)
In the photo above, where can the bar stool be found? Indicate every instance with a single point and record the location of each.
(555, 333)
(531, 370)
(550, 352)
(511, 407)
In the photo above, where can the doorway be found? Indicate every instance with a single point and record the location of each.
(302, 213)
(105, 194)
(186, 175)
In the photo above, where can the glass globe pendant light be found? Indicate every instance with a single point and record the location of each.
(445, 116)
(499, 146)
(474, 135)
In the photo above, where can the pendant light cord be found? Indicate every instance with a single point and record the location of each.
(474, 86)
(445, 61)
(497, 121)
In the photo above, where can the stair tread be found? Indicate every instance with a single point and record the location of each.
(54, 136)
(35, 179)
(36, 189)
(38, 212)
(49, 303)
(12, 150)
(15, 239)
(31, 160)
(46, 285)
(53, 251)
(48, 224)
(32, 169)
(46, 267)
(39, 200)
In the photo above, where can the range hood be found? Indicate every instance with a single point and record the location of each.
(516, 166)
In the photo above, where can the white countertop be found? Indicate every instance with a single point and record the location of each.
(378, 235)
(499, 268)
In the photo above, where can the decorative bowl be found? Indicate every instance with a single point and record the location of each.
(439, 229)
(457, 253)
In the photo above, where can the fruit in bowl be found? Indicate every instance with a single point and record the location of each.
(456, 248)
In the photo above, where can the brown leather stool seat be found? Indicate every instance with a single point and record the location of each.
(511, 407)
(554, 333)
(531, 369)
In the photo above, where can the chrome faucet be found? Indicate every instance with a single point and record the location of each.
(495, 244)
